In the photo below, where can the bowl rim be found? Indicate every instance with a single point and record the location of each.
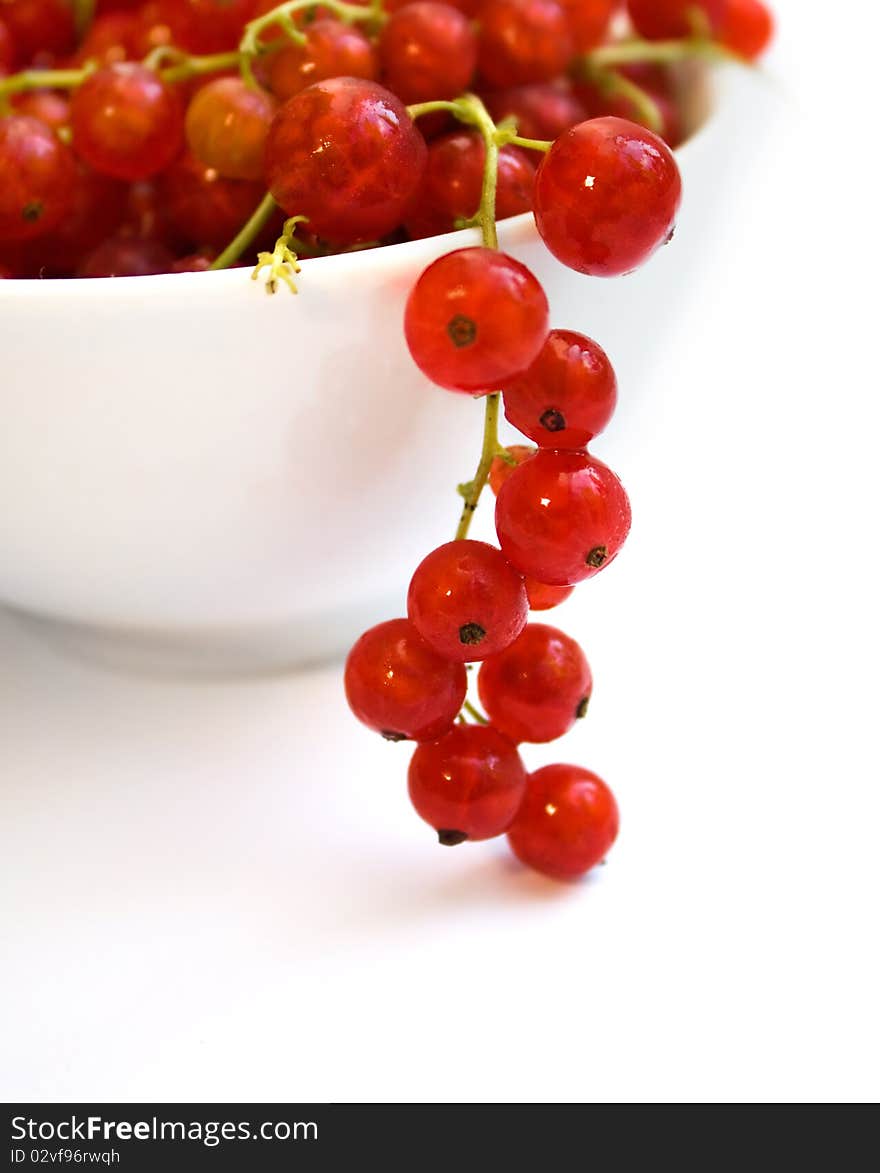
(514, 232)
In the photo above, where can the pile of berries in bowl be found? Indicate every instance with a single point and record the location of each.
(138, 139)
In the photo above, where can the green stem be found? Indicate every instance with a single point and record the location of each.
(475, 713)
(251, 46)
(83, 15)
(197, 66)
(470, 110)
(612, 84)
(491, 449)
(248, 234)
(43, 79)
(638, 52)
(421, 108)
(529, 144)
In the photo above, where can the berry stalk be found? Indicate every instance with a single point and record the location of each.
(248, 234)
(639, 52)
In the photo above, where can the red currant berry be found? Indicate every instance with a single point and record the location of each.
(39, 26)
(38, 173)
(206, 26)
(226, 127)
(114, 37)
(127, 257)
(567, 823)
(589, 21)
(501, 469)
(345, 153)
(126, 122)
(398, 685)
(540, 111)
(98, 205)
(543, 597)
(538, 687)
(746, 28)
(50, 107)
(202, 206)
(7, 48)
(606, 196)
(428, 51)
(568, 394)
(561, 517)
(197, 262)
(474, 319)
(331, 49)
(453, 183)
(660, 20)
(523, 41)
(467, 601)
(467, 785)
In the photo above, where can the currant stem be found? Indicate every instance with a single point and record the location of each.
(470, 110)
(40, 79)
(197, 66)
(475, 713)
(491, 449)
(529, 144)
(248, 234)
(638, 52)
(614, 85)
(83, 15)
(250, 47)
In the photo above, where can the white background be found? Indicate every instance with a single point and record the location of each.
(217, 892)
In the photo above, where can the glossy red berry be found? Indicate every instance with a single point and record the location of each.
(37, 174)
(126, 122)
(202, 206)
(331, 49)
(589, 21)
(523, 41)
(399, 686)
(125, 256)
(37, 26)
(467, 601)
(474, 319)
(501, 469)
(606, 196)
(746, 27)
(659, 20)
(345, 153)
(567, 823)
(467, 785)
(540, 111)
(561, 517)
(453, 182)
(538, 687)
(206, 26)
(428, 51)
(227, 124)
(543, 597)
(568, 394)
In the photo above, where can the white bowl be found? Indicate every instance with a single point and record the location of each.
(199, 477)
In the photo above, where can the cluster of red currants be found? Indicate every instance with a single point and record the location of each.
(138, 137)
(606, 196)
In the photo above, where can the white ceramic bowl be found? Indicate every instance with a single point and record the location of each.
(199, 477)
